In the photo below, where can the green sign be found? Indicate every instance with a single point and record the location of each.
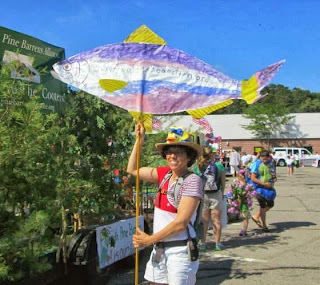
(33, 55)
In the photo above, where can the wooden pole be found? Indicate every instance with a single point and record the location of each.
(136, 280)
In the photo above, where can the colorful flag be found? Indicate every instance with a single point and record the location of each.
(156, 124)
(203, 122)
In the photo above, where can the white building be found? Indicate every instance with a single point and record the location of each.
(303, 131)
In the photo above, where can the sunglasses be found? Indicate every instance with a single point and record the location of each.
(177, 152)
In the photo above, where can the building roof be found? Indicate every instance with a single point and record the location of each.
(303, 125)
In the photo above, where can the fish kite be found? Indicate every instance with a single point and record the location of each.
(145, 76)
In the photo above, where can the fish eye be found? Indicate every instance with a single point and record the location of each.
(67, 67)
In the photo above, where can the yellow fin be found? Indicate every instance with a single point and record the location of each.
(144, 35)
(112, 85)
(146, 119)
(249, 89)
(199, 113)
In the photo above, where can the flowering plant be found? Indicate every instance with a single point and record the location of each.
(240, 198)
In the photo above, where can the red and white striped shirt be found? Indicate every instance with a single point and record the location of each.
(165, 207)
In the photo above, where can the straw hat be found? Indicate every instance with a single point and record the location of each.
(177, 136)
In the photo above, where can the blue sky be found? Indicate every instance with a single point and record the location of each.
(237, 37)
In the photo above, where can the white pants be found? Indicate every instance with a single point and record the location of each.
(174, 267)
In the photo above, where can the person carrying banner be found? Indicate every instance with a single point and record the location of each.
(171, 260)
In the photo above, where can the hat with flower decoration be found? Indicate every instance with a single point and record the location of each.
(176, 137)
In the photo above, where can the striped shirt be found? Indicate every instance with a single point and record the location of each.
(165, 207)
(191, 187)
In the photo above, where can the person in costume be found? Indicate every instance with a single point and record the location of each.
(263, 178)
(169, 261)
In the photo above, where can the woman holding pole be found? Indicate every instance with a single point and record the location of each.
(171, 259)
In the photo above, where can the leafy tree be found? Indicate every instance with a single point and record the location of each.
(23, 146)
(94, 139)
(23, 178)
(61, 164)
(91, 142)
(296, 100)
(310, 105)
(237, 107)
(267, 120)
(20, 252)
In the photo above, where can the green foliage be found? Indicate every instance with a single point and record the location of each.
(150, 155)
(20, 252)
(237, 107)
(53, 163)
(92, 135)
(267, 120)
(23, 145)
(295, 100)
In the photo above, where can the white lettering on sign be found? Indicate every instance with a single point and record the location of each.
(7, 39)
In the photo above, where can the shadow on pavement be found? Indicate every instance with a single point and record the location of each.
(216, 272)
(280, 227)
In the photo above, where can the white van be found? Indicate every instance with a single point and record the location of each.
(304, 155)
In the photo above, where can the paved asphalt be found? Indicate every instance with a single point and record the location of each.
(289, 254)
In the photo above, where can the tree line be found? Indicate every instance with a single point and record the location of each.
(294, 100)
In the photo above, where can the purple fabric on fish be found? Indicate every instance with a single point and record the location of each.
(146, 52)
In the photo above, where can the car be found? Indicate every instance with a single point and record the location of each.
(303, 155)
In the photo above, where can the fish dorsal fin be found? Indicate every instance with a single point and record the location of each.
(112, 85)
(146, 119)
(144, 35)
(199, 113)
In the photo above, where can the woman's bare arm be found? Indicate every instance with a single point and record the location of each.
(148, 174)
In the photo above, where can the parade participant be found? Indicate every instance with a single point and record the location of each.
(290, 165)
(263, 180)
(240, 198)
(169, 262)
(245, 159)
(234, 163)
(212, 204)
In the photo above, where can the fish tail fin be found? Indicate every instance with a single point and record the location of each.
(146, 119)
(199, 113)
(250, 89)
